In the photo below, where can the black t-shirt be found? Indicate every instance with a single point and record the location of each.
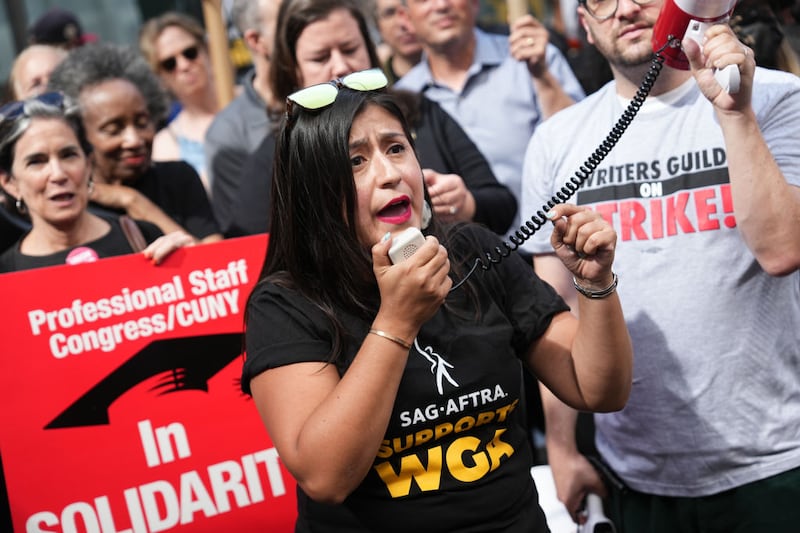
(456, 456)
(111, 244)
(442, 145)
(175, 187)
(250, 209)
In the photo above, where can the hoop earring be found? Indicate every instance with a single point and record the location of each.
(426, 214)
(21, 206)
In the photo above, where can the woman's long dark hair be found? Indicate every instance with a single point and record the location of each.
(313, 218)
(313, 246)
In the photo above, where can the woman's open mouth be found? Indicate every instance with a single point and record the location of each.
(398, 211)
(62, 198)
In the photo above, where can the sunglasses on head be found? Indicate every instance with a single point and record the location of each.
(324, 94)
(13, 110)
(190, 54)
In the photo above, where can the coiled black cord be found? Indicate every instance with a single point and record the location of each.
(574, 183)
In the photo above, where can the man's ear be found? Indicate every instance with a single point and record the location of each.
(252, 39)
(582, 19)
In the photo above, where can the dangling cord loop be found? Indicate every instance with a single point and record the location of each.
(580, 176)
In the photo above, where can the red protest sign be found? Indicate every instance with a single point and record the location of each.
(122, 410)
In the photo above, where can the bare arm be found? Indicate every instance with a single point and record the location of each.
(528, 42)
(587, 363)
(135, 204)
(165, 147)
(573, 475)
(767, 207)
(328, 430)
(140, 207)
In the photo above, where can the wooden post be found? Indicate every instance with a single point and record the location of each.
(218, 50)
(516, 9)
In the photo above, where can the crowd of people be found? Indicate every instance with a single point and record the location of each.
(655, 299)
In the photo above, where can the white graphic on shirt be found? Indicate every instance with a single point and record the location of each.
(438, 366)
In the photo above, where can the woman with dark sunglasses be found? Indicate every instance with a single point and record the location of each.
(174, 46)
(46, 171)
(316, 40)
(394, 401)
(121, 102)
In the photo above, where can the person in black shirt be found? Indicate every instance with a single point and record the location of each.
(121, 105)
(392, 400)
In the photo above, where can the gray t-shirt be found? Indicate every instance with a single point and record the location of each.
(716, 389)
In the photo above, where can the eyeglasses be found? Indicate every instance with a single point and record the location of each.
(605, 9)
(190, 54)
(324, 94)
(14, 110)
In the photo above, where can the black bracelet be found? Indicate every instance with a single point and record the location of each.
(596, 295)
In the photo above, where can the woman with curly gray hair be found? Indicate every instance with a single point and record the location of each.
(120, 102)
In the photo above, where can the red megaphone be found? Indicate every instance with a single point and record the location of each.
(679, 17)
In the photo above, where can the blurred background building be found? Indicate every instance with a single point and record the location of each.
(115, 21)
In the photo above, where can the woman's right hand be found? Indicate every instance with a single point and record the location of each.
(451, 200)
(574, 479)
(114, 195)
(412, 290)
(136, 205)
(159, 249)
(585, 242)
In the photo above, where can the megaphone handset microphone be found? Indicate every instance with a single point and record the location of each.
(677, 19)
(691, 18)
(596, 519)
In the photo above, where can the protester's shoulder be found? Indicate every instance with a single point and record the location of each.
(277, 294)
(567, 117)
(415, 79)
(229, 117)
(771, 75)
(773, 81)
(175, 170)
(239, 114)
(429, 108)
(265, 290)
(776, 96)
(492, 41)
(555, 57)
(7, 264)
(466, 236)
